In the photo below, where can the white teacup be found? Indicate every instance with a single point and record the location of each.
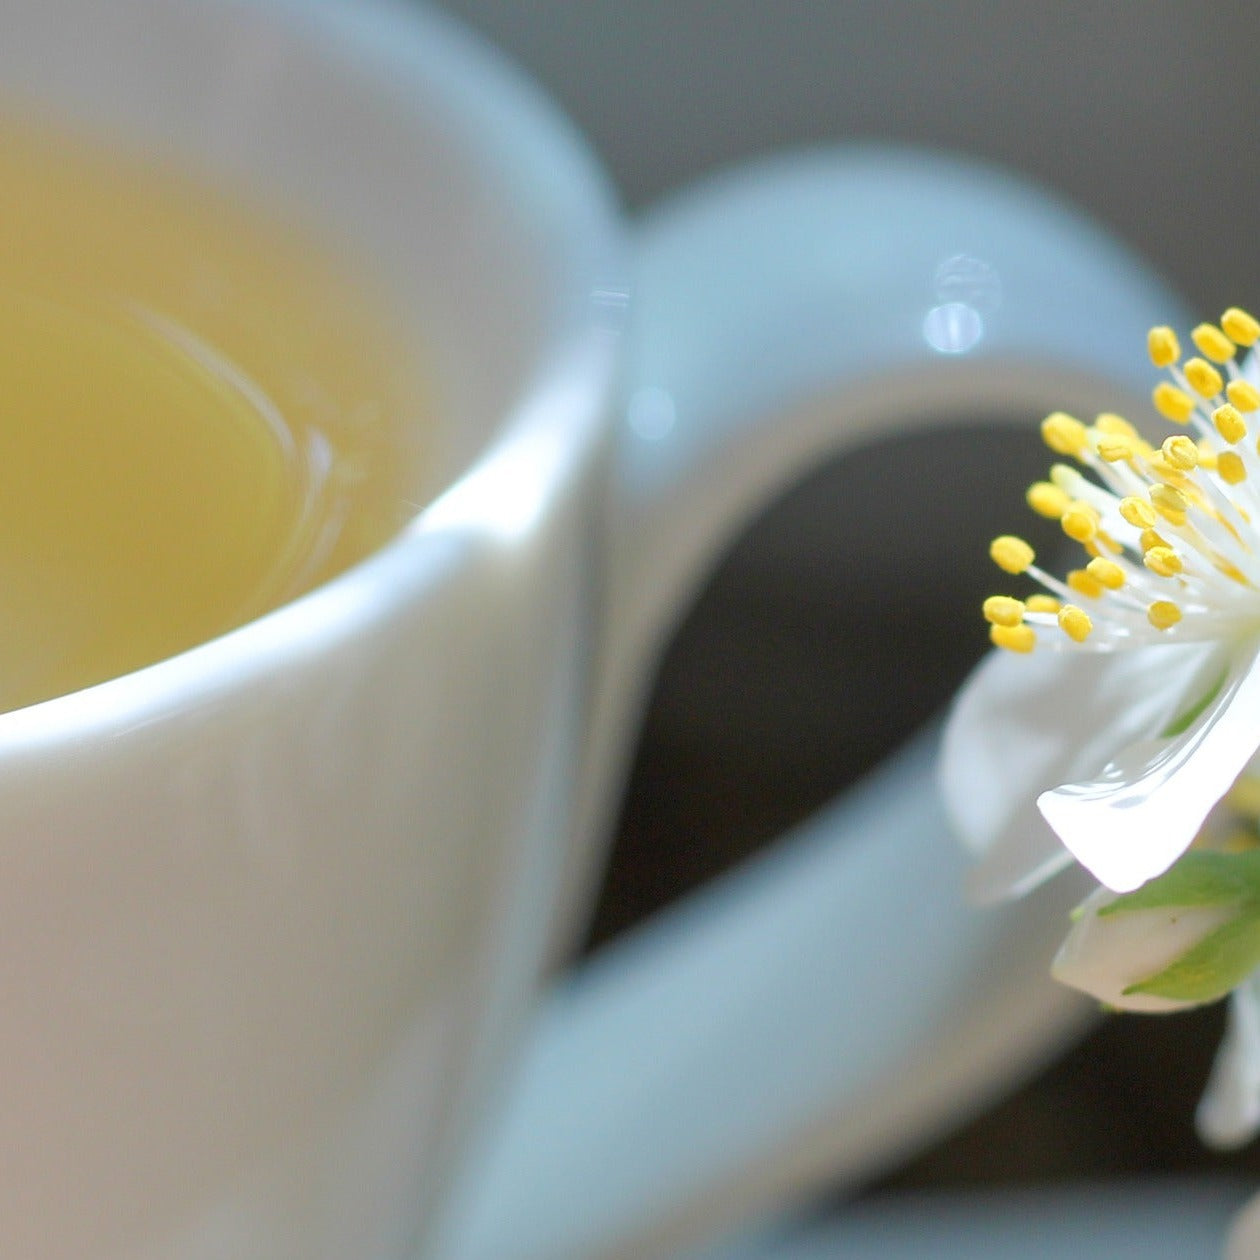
(274, 912)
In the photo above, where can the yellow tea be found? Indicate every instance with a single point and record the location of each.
(201, 415)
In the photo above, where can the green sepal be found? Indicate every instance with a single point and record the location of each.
(1225, 956)
(1197, 879)
(1221, 961)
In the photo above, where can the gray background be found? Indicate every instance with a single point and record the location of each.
(1143, 113)
(780, 688)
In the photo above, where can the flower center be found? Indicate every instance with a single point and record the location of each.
(1170, 532)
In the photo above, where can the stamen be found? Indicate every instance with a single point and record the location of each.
(1229, 423)
(1170, 503)
(1080, 522)
(1065, 477)
(1085, 583)
(1243, 394)
(1048, 500)
(1116, 426)
(1163, 347)
(1204, 379)
(1212, 343)
(1075, 623)
(1181, 508)
(1230, 468)
(1002, 610)
(1231, 571)
(1163, 561)
(1114, 449)
(1108, 572)
(1138, 513)
(1012, 554)
(1240, 326)
(1021, 638)
(1172, 403)
(1064, 434)
(1181, 452)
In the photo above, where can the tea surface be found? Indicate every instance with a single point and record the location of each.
(201, 415)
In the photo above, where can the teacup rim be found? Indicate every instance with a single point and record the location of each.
(504, 102)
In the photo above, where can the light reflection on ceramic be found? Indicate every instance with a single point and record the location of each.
(651, 413)
(953, 328)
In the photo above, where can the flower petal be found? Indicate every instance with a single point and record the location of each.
(1103, 956)
(1022, 724)
(1229, 1114)
(1139, 815)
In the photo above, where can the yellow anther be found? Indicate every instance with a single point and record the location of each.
(1150, 539)
(1046, 604)
(1080, 522)
(1230, 468)
(1161, 345)
(1244, 395)
(1163, 614)
(1048, 500)
(1084, 583)
(1170, 503)
(1002, 610)
(1075, 623)
(1013, 638)
(1163, 561)
(1204, 379)
(1011, 553)
(1172, 403)
(1229, 423)
(1108, 572)
(1138, 513)
(1113, 449)
(1241, 327)
(1180, 452)
(1064, 435)
(1116, 426)
(1065, 477)
(1207, 457)
(1212, 343)
(1158, 467)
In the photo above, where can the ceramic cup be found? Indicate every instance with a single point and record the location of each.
(275, 912)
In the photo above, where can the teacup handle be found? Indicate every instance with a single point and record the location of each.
(811, 1017)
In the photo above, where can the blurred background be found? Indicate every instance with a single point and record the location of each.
(779, 690)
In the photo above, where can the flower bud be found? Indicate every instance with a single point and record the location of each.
(1107, 954)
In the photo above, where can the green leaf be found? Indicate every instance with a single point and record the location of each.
(1199, 878)
(1182, 722)
(1218, 963)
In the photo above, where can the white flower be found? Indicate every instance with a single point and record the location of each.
(1127, 704)
(1128, 700)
